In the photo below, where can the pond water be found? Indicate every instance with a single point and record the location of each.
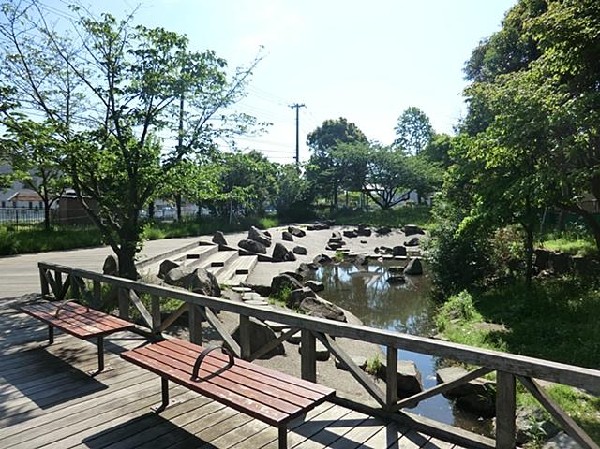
(405, 308)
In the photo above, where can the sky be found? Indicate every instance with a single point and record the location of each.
(364, 60)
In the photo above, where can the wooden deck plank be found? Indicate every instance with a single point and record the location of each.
(47, 400)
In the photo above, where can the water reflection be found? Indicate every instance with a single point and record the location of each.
(405, 308)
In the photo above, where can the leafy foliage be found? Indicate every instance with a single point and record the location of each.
(413, 131)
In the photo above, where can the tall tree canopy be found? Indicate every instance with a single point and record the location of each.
(413, 131)
(109, 89)
(324, 170)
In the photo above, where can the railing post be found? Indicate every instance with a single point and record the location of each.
(308, 350)
(195, 323)
(75, 290)
(391, 377)
(123, 295)
(44, 286)
(245, 347)
(506, 409)
(156, 319)
(97, 294)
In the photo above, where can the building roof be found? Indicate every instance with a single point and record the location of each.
(25, 195)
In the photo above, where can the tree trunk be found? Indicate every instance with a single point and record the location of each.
(151, 210)
(46, 215)
(178, 206)
(528, 254)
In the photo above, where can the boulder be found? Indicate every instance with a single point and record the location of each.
(313, 266)
(111, 265)
(396, 269)
(259, 236)
(532, 422)
(280, 253)
(318, 307)
(383, 230)
(351, 234)
(260, 335)
(360, 260)
(413, 242)
(396, 279)
(296, 231)
(411, 229)
(198, 281)
(299, 250)
(335, 236)
(560, 262)
(318, 226)
(363, 230)
(219, 238)
(295, 275)
(315, 286)
(472, 388)
(481, 405)
(287, 236)
(541, 259)
(359, 360)
(414, 267)
(252, 246)
(282, 282)
(399, 250)
(561, 441)
(409, 379)
(166, 266)
(333, 245)
(298, 295)
(322, 259)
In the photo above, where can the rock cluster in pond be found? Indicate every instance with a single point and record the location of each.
(477, 396)
(197, 280)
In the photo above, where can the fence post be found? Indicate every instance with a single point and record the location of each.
(123, 295)
(156, 319)
(506, 409)
(44, 286)
(245, 336)
(97, 294)
(308, 351)
(195, 323)
(75, 290)
(391, 377)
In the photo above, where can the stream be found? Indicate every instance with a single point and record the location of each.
(405, 308)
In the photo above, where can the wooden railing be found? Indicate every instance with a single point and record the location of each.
(57, 280)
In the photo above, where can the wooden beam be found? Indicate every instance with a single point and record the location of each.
(391, 377)
(214, 321)
(308, 356)
(245, 336)
(137, 302)
(195, 323)
(173, 317)
(358, 374)
(441, 388)
(155, 311)
(565, 421)
(506, 411)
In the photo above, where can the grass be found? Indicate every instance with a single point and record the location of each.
(419, 215)
(58, 238)
(554, 320)
(578, 246)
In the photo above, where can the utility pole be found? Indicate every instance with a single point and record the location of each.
(297, 107)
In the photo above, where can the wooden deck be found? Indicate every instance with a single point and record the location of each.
(48, 400)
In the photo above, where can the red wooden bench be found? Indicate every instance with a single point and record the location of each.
(79, 321)
(265, 394)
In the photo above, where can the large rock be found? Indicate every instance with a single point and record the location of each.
(299, 250)
(472, 388)
(198, 281)
(315, 286)
(414, 267)
(541, 259)
(413, 242)
(296, 232)
(322, 259)
(219, 238)
(287, 236)
(335, 236)
(298, 295)
(351, 234)
(283, 282)
(481, 405)
(111, 265)
(166, 266)
(560, 262)
(318, 307)
(252, 246)
(383, 230)
(409, 379)
(399, 250)
(411, 229)
(259, 236)
(281, 254)
(260, 335)
(532, 422)
(363, 230)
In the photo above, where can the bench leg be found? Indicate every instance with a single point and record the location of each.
(50, 334)
(282, 437)
(100, 345)
(164, 394)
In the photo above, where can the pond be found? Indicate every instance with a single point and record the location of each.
(405, 308)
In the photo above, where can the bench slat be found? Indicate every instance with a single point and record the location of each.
(210, 390)
(291, 381)
(270, 385)
(267, 394)
(77, 320)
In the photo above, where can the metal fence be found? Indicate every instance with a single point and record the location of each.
(21, 217)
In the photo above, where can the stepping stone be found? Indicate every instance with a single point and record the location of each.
(251, 295)
(241, 289)
(277, 327)
(257, 302)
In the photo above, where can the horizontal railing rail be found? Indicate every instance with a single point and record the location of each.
(508, 367)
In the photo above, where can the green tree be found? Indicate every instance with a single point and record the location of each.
(324, 170)
(34, 154)
(413, 131)
(294, 194)
(109, 89)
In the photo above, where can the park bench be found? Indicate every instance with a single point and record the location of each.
(273, 397)
(79, 321)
